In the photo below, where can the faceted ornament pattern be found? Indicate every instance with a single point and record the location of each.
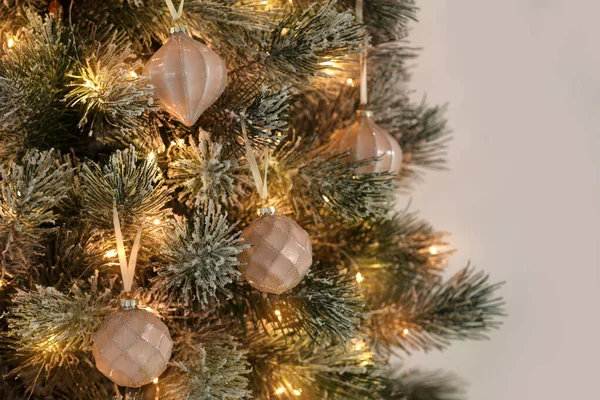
(132, 347)
(188, 77)
(366, 140)
(280, 254)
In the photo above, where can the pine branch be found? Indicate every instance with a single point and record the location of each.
(207, 366)
(199, 257)
(296, 48)
(284, 369)
(325, 306)
(29, 191)
(48, 329)
(113, 99)
(419, 385)
(263, 109)
(203, 173)
(135, 186)
(314, 178)
(32, 85)
(432, 314)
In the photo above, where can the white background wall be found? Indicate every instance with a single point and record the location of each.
(522, 198)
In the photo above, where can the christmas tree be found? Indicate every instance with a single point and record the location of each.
(197, 202)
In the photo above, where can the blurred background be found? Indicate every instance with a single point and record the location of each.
(522, 197)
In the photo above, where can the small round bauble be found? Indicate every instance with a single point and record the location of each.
(132, 346)
(188, 77)
(364, 140)
(280, 253)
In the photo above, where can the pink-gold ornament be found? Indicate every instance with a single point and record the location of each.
(366, 140)
(280, 254)
(188, 77)
(132, 347)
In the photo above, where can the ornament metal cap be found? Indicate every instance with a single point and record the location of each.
(267, 211)
(128, 304)
(365, 112)
(179, 28)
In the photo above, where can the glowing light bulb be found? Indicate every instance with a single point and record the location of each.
(291, 1)
(264, 2)
(151, 156)
(133, 74)
(2, 283)
(326, 199)
(433, 250)
(350, 82)
(359, 277)
(180, 142)
(89, 84)
(111, 254)
(359, 346)
(280, 390)
(10, 43)
(364, 363)
(155, 381)
(277, 312)
(297, 392)
(157, 221)
(405, 331)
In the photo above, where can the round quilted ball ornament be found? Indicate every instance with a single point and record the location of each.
(280, 253)
(132, 347)
(366, 140)
(188, 77)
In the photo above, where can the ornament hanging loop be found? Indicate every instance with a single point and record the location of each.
(259, 182)
(127, 268)
(175, 12)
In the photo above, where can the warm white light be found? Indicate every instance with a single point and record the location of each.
(264, 2)
(326, 199)
(433, 250)
(111, 254)
(297, 392)
(280, 390)
(151, 156)
(155, 381)
(359, 277)
(2, 283)
(277, 312)
(405, 331)
(359, 346)
(10, 43)
(89, 84)
(180, 142)
(350, 82)
(157, 221)
(133, 74)
(364, 363)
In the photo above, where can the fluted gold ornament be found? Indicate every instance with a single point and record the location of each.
(364, 139)
(188, 77)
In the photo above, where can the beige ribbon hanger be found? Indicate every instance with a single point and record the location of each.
(261, 185)
(127, 269)
(175, 13)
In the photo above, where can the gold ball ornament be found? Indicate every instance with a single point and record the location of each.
(132, 347)
(364, 139)
(188, 77)
(280, 254)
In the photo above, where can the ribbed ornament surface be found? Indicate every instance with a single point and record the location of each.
(132, 347)
(188, 77)
(280, 254)
(365, 139)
